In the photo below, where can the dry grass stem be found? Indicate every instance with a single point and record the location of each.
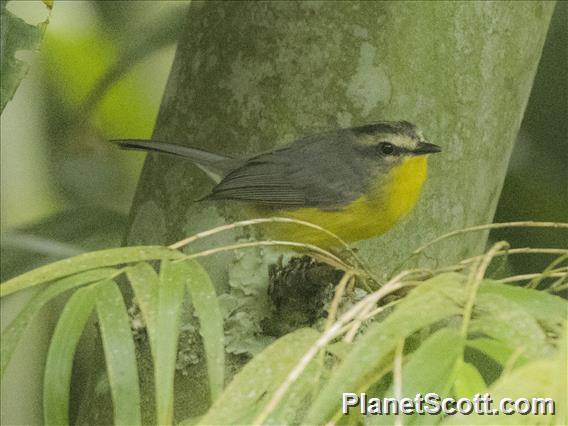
(339, 291)
(562, 273)
(252, 222)
(337, 265)
(350, 330)
(326, 255)
(508, 367)
(353, 328)
(356, 324)
(524, 250)
(332, 313)
(182, 243)
(397, 378)
(551, 267)
(526, 224)
(475, 280)
(559, 285)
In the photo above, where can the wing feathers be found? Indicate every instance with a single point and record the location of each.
(299, 177)
(262, 182)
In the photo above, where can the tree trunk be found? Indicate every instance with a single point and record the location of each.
(254, 75)
(250, 76)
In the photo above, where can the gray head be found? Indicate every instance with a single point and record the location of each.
(391, 141)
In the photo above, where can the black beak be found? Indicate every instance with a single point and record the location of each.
(426, 148)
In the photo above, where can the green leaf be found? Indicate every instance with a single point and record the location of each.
(432, 301)
(17, 35)
(339, 349)
(496, 349)
(539, 304)
(252, 388)
(431, 368)
(544, 378)
(85, 262)
(206, 305)
(468, 381)
(170, 302)
(190, 421)
(119, 352)
(13, 332)
(497, 317)
(59, 365)
(145, 283)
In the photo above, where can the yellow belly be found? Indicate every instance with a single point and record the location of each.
(370, 215)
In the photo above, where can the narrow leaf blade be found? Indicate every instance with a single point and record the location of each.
(119, 352)
(145, 283)
(13, 332)
(170, 302)
(206, 305)
(540, 304)
(431, 368)
(85, 262)
(542, 378)
(59, 365)
(468, 381)
(255, 384)
(496, 349)
(503, 320)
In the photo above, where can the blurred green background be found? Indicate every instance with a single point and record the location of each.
(100, 75)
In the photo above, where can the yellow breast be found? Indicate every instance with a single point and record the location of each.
(373, 214)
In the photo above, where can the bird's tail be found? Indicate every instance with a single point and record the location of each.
(215, 165)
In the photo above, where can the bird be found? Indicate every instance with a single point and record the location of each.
(356, 182)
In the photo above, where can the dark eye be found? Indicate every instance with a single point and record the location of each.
(386, 148)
